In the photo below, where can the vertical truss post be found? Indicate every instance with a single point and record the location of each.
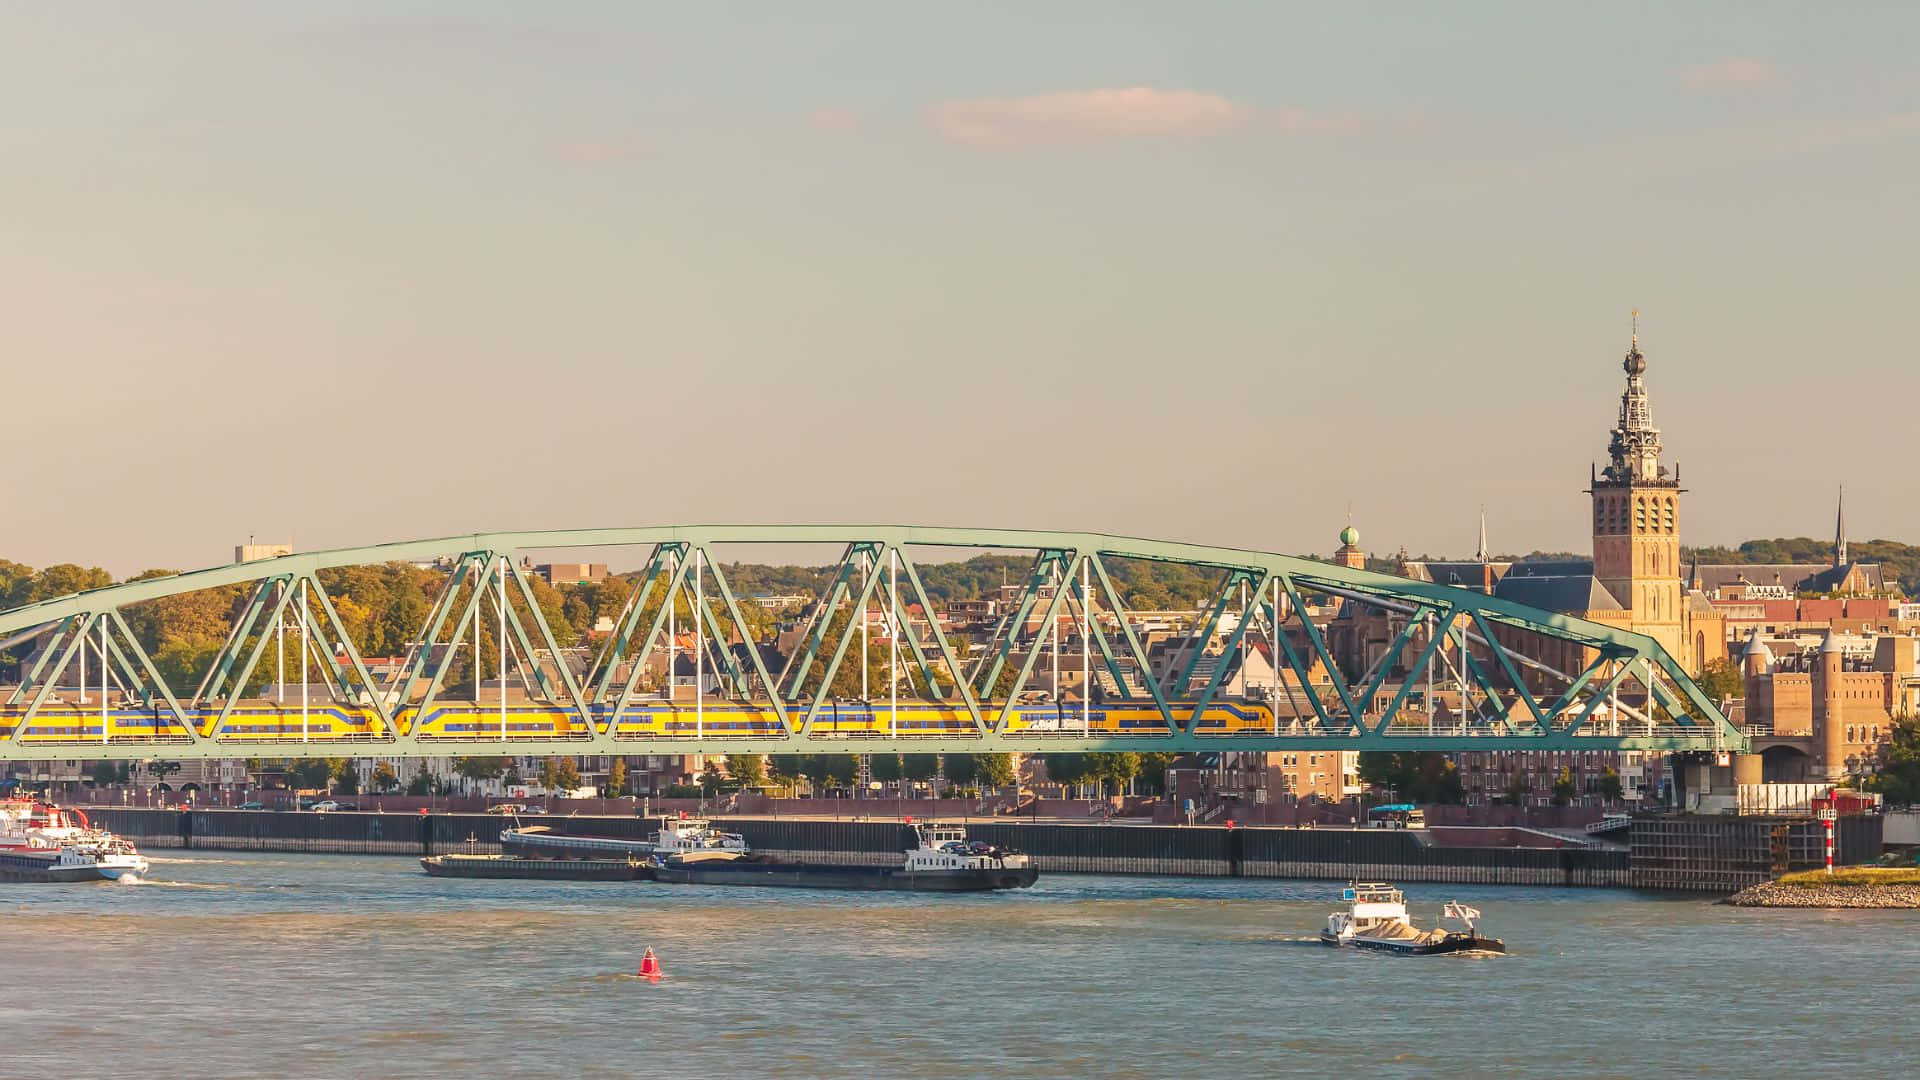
(1232, 645)
(1139, 652)
(74, 641)
(801, 662)
(839, 652)
(1379, 678)
(767, 684)
(152, 676)
(946, 649)
(1443, 620)
(484, 567)
(1506, 667)
(238, 689)
(1043, 566)
(45, 653)
(601, 674)
(540, 624)
(1320, 649)
(215, 682)
(416, 666)
(677, 577)
(373, 690)
(1033, 653)
(1196, 643)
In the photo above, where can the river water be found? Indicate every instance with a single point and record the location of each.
(347, 966)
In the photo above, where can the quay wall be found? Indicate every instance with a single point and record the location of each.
(1727, 854)
(1203, 851)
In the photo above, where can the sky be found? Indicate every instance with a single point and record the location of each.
(1225, 273)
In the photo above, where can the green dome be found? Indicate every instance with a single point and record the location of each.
(1350, 536)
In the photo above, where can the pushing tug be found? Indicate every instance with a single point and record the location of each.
(940, 860)
(685, 836)
(42, 842)
(1377, 919)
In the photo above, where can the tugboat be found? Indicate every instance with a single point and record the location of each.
(676, 836)
(42, 842)
(1377, 919)
(940, 860)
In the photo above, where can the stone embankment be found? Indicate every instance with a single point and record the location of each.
(1774, 894)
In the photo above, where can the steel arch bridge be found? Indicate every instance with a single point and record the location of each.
(1348, 660)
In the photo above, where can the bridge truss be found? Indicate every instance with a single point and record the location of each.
(1285, 653)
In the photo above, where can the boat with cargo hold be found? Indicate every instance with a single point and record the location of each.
(41, 842)
(940, 859)
(1376, 918)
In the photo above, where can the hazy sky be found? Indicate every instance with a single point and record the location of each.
(357, 273)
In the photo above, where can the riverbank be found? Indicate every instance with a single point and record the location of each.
(1492, 857)
(1860, 887)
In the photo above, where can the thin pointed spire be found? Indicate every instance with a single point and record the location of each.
(1840, 530)
(1483, 554)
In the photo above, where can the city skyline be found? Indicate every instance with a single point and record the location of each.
(355, 277)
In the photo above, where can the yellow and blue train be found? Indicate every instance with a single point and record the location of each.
(68, 724)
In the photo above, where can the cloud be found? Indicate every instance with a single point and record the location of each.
(1081, 116)
(834, 121)
(1734, 73)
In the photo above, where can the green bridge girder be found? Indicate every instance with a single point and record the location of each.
(1369, 712)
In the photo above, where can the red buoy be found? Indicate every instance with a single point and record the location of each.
(650, 966)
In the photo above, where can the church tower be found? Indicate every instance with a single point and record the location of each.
(1636, 518)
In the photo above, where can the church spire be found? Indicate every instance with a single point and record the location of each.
(1840, 530)
(1482, 554)
(1635, 449)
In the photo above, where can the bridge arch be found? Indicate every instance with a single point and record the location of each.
(1437, 667)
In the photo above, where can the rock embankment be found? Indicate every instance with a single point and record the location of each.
(1776, 895)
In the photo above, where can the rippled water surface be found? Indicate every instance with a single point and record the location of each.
(347, 966)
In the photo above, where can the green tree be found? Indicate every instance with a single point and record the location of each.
(345, 778)
(309, 774)
(617, 778)
(1075, 769)
(1518, 787)
(566, 774)
(833, 770)
(1153, 772)
(1418, 777)
(385, 780)
(919, 766)
(550, 774)
(995, 770)
(422, 782)
(749, 769)
(1608, 787)
(784, 769)
(1721, 679)
(960, 769)
(884, 767)
(512, 777)
(1116, 769)
(1563, 786)
(475, 769)
(1894, 770)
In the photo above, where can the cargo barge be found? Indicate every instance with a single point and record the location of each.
(940, 860)
(513, 866)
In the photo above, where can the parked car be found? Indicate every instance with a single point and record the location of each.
(325, 806)
(251, 806)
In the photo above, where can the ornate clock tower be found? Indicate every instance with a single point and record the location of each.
(1636, 518)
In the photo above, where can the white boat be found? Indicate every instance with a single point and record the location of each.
(43, 842)
(1376, 918)
(687, 837)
